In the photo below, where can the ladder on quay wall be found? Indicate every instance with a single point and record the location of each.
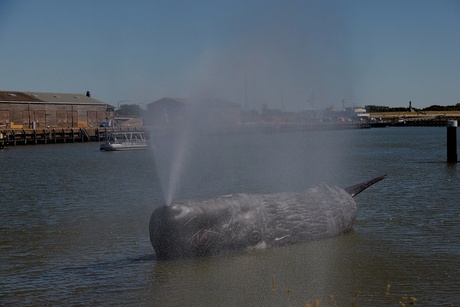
(85, 132)
(2, 141)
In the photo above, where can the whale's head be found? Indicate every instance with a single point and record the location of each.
(183, 229)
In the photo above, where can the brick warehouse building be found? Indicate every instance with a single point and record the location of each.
(27, 110)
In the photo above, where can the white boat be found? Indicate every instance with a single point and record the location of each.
(124, 140)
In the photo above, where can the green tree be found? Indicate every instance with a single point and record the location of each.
(132, 110)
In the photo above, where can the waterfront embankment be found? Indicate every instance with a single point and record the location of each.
(415, 114)
(13, 137)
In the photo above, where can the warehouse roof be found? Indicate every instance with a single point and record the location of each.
(44, 97)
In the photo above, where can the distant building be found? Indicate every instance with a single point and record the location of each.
(39, 110)
(361, 113)
(203, 114)
(355, 113)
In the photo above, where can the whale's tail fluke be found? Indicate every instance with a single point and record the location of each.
(358, 188)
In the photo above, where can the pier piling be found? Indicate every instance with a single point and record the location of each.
(452, 141)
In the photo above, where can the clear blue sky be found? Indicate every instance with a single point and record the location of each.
(296, 54)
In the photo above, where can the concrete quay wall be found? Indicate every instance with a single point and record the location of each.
(14, 137)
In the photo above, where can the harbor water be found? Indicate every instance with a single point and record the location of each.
(74, 221)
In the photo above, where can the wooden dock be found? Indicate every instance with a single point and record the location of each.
(14, 137)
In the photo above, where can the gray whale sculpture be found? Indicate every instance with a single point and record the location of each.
(190, 228)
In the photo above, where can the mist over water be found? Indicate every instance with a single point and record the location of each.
(173, 151)
(289, 59)
(170, 157)
(196, 165)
